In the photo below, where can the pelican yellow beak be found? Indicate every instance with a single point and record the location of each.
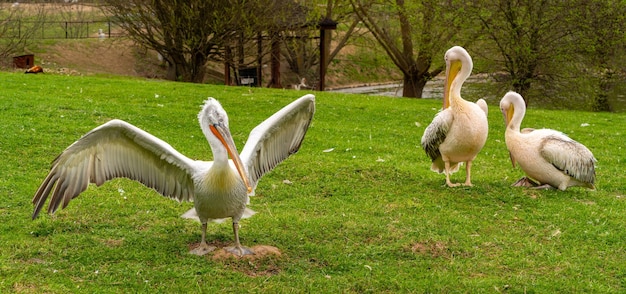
(223, 134)
(452, 70)
(508, 115)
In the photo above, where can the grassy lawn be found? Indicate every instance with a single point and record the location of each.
(368, 216)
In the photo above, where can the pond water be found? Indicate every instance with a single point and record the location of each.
(392, 90)
(434, 89)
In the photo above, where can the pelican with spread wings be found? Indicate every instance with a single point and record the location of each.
(219, 189)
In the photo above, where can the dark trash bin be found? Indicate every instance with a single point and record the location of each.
(248, 77)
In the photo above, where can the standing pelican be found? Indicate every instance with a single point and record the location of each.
(459, 131)
(547, 156)
(218, 188)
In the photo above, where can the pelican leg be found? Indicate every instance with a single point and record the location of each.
(203, 248)
(238, 249)
(468, 174)
(447, 171)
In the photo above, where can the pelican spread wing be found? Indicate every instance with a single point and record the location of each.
(277, 137)
(112, 150)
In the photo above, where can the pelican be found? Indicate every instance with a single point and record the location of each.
(547, 156)
(459, 131)
(219, 189)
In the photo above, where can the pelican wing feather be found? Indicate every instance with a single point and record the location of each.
(436, 133)
(277, 137)
(569, 156)
(113, 150)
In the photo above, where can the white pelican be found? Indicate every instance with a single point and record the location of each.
(218, 188)
(459, 131)
(547, 156)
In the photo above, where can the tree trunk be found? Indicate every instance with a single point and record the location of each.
(171, 74)
(192, 70)
(413, 85)
(601, 101)
(275, 63)
(198, 69)
(521, 85)
(175, 63)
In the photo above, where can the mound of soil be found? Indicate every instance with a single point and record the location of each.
(260, 251)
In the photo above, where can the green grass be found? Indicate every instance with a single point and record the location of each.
(367, 217)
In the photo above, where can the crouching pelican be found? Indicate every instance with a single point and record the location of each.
(547, 156)
(459, 131)
(218, 188)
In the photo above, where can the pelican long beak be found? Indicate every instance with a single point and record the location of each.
(223, 134)
(452, 70)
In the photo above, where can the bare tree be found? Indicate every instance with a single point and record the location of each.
(413, 33)
(301, 52)
(17, 27)
(341, 12)
(529, 40)
(186, 33)
(301, 49)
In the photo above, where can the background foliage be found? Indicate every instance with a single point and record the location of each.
(558, 54)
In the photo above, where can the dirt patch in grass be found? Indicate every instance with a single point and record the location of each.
(260, 252)
(431, 248)
(264, 262)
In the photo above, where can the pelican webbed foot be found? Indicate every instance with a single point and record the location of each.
(452, 185)
(525, 182)
(202, 249)
(544, 187)
(239, 250)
